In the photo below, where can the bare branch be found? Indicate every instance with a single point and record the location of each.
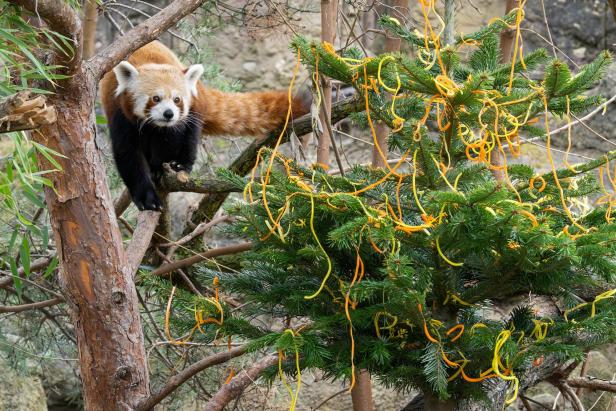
(144, 33)
(238, 384)
(187, 373)
(200, 229)
(592, 383)
(146, 224)
(32, 306)
(216, 252)
(61, 18)
(568, 392)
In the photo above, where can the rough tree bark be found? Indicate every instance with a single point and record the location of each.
(95, 277)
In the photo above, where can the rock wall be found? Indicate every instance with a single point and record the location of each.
(20, 392)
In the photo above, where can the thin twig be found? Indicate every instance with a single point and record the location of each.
(342, 391)
(198, 257)
(32, 306)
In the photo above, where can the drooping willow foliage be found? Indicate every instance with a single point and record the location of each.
(394, 270)
(22, 46)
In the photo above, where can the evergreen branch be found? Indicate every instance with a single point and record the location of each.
(180, 378)
(496, 27)
(599, 109)
(580, 169)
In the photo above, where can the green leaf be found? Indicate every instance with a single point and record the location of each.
(48, 154)
(24, 255)
(51, 267)
(17, 282)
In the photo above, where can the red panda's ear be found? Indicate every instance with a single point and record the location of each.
(192, 75)
(125, 73)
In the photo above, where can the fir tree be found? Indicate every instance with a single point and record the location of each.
(395, 270)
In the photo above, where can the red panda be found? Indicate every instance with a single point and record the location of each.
(157, 109)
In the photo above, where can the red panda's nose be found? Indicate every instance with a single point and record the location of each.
(168, 114)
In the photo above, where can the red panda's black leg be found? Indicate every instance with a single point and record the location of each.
(132, 164)
(187, 154)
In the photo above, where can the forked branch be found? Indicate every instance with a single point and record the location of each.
(187, 373)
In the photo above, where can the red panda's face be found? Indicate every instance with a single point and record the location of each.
(160, 93)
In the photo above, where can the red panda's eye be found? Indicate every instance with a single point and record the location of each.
(156, 99)
(176, 100)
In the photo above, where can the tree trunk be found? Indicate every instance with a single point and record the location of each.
(90, 18)
(329, 14)
(361, 395)
(506, 38)
(506, 45)
(392, 44)
(93, 274)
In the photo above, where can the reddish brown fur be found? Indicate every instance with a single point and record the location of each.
(238, 114)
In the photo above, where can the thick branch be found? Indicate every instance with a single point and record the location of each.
(216, 252)
(238, 384)
(146, 224)
(210, 203)
(61, 18)
(592, 383)
(20, 112)
(139, 36)
(187, 373)
(33, 306)
(171, 183)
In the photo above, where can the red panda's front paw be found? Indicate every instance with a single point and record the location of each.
(148, 200)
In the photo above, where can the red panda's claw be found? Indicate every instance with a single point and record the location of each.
(149, 201)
